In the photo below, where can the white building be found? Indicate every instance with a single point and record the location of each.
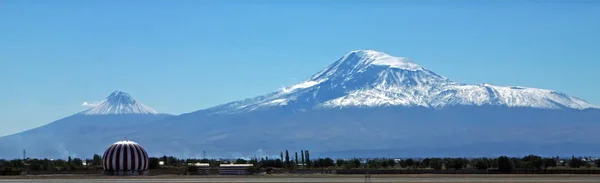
(234, 169)
(203, 168)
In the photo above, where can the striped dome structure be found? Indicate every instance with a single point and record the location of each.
(125, 158)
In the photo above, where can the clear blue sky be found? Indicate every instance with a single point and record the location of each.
(182, 56)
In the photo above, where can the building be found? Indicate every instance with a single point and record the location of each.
(235, 169)
(125, 158)
(203, 168)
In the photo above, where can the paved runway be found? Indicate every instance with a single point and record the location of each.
(322, 180)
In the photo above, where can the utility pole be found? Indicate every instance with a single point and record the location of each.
(24, 154)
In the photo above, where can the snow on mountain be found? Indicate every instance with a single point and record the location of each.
(368, 78)
(119, 102)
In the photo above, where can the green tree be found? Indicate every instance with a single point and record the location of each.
(254, 162)
(240, 161)
(409, 162)
(533, 161)
(575, 162)
(172, 161)
(302, 155)
(480, 164)
(153, 162)
(296, 159)
(426, 162)
(549, 162)
(505, 165)
(436, 163)
(340, 162)
(97, 160)
(356, 163)
(328, 162)
(391, 162)
(77, 162)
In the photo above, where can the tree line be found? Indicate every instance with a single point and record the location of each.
(302, 160)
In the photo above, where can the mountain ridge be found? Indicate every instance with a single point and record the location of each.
(368, 78)
(358, 104)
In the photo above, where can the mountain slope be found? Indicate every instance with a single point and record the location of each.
(368, 102)
(85, 133)
(367, 78)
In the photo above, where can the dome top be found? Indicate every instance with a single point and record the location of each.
(125, 142)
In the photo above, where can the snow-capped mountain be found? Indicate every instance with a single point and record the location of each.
(369, 103)
(119, 102)
(366, 104)
(368, 78)
(84, 133)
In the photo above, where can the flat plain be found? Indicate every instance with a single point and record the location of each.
(308, 178)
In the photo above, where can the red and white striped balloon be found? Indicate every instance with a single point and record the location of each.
(125, 156)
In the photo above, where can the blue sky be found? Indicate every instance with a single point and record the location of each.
(182, 56)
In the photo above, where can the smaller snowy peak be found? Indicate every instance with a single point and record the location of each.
(119, 97)
(119, 102)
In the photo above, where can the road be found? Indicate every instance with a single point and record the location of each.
(549, 179)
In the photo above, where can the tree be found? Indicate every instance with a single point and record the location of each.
(302, 154)
(409, 162)
(328, 162)
(153, 163)
(308, 162)
(340, 162)
(296, 159)
(287, 158)
(96, 160)
(481, 164)
(426, 162)
(253, 161)
(549, 162)
(533, 161)
(374, 163)
(356, 163)
(505, 165)
(459, 163)
(391, 162)
(281, 155)
(575, 162)
(240, 161)
(173, 161)
(436, 163)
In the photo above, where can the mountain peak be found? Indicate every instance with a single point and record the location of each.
(119, 97)
(119, 102)
(369, 64)
(119, 94)
(377, 58)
